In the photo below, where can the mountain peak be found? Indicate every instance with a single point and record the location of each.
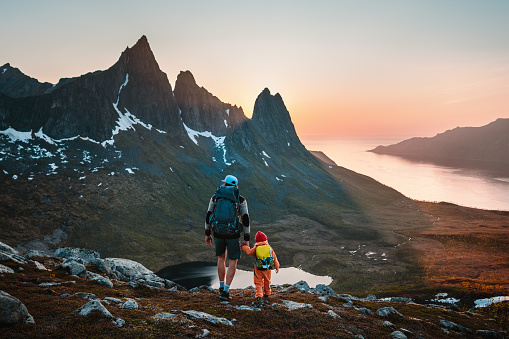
(186, 77)
(271, 116)
(140, 48)
(142, 44)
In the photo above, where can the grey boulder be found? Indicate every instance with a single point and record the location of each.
(388, 312)
(94, 306)
(12, 310)
(84, 254)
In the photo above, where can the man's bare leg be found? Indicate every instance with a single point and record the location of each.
(221, 266)
(232, 268)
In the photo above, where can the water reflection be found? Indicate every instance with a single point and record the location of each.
(464, 182)
(195, 274)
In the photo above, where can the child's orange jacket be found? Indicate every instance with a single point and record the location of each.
(252, 251)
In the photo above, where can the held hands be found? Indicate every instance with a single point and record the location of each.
(244, 243)
(208, 240)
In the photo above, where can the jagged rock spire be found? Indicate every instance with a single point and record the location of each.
(202, 111)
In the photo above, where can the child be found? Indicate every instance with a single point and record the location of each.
(265, 261)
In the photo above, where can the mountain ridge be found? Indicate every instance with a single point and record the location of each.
(485, 143)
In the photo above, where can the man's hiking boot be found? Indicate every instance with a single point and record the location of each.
(221, 289)
(259, 299)
(224, 295)
(265, 295)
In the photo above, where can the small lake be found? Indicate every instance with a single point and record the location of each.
(196, 274)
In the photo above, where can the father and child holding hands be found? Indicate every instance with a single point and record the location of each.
(226, 215)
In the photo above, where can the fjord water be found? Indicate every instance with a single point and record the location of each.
(463, 183)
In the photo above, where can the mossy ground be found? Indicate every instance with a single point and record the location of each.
(55, 314)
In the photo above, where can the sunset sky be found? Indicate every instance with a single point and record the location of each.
(399, 67)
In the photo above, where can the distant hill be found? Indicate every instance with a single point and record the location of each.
(486, 143)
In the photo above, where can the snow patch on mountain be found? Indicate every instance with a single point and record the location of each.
(218, 141)
(14, 135)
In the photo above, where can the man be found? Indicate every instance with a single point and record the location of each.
(226, 206)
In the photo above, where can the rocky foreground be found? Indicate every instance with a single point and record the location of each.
(77, 293)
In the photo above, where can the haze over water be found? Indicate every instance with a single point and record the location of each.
(471, 187)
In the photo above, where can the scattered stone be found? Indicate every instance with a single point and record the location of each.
(130, 304)
(398, 335)
(12, 310)
(153, 283)
(322, 299)
(388, 312)
(348, 297)
(248, 308)
(49, 284)
(128, 270)
(102, 265)
(449, 325)
(207, 317)
(5, 269)
(401, 300)
(364, 311)
(113, 300)
(8, 249)
(292, 305)
(325, 291)
(489, 334)
(74, 268)
(119, 322)
(86, 295)
(406, 332)
(371, 297)
(164, 315)
(100, 279)
(202, 287)
(204, 332)
(132, 284)
(173, 285)
(65, 295)
(34, 253)
(301, 286)
(359, 336)
(29, 319)
(84, 254)
(348, 304)
(4, 256)
(388, 324)
(333, 314)
(241, 294)
(93, 306)
(39, 266)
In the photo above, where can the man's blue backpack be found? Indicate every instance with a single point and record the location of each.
(224, 219)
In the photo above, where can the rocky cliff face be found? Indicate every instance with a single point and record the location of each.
(201, 111)
(96, 105)
(15, 84)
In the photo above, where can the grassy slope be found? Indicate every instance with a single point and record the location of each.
(158, 220)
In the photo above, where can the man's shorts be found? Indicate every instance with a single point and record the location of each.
(231, 246)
